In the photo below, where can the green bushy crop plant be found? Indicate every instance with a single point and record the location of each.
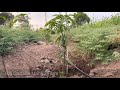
(47, 35)
(10, 37)
(105, 22)
(96, 41)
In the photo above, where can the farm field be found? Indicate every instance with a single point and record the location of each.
(69, 46)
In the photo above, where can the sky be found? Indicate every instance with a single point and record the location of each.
(38, 18)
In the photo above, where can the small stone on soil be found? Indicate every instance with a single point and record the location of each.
(47, 71)
(41, 43)
(46, 61)
(91, 74)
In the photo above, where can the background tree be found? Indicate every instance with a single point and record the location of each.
(81, 18)
(20, 18)
(7, 15)
(23, 19)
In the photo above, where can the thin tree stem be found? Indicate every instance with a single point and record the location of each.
(64, 62)
(4, 66)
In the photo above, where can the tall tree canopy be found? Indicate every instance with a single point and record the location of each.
(7, 15)
(81, 18)
(23, 19)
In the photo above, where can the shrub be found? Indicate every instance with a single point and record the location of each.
(46, 34)
(97, 41)
(11, 37)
